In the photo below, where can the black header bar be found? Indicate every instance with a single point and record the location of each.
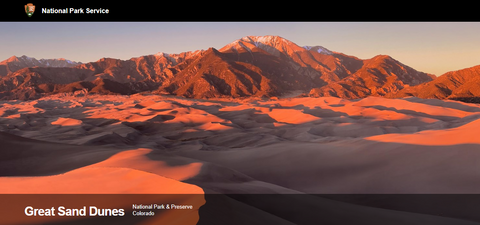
(67, 11)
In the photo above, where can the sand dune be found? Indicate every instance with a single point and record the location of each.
(291, 145)
(162, 144)
(95, 180)
(291, 116)
(66, 122)
(465, 134)
(30, 166)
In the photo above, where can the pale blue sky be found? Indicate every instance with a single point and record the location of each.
(432, 47)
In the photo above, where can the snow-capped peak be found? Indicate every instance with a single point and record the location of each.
(27, 58)
(273, 44)
(161, 54)
(270, 40)
(318, 49)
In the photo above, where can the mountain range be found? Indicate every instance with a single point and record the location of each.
(263, 66)
(14, 63)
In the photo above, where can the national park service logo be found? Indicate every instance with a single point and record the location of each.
(29, 9)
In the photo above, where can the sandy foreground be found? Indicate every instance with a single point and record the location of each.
(159, 144)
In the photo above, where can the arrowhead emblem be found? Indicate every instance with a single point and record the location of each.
(29, 9)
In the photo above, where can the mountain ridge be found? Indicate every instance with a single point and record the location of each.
(262, 66)
(15, 63)
(463, 84)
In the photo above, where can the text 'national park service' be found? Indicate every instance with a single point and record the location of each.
(75, 11)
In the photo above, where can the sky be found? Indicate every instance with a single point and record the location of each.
(431, 47)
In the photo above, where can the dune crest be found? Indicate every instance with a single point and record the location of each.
(66, 122)
(127, 172)
(465, 134)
